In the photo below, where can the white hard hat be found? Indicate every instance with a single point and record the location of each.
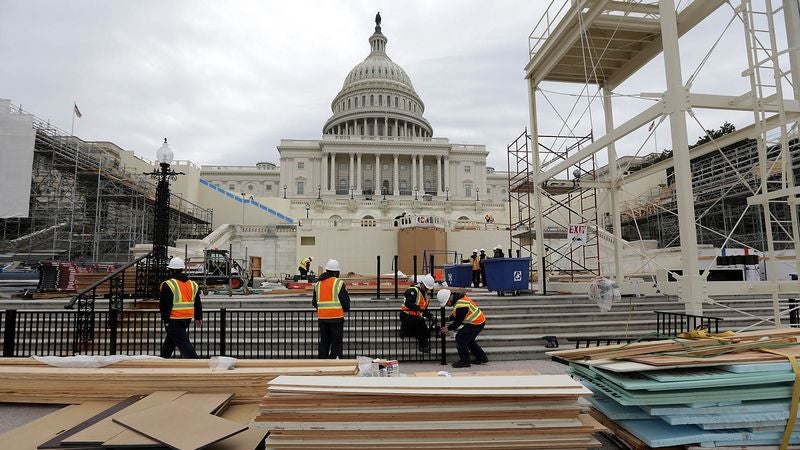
(442, 296)
(483, 250)
(475, 251)
(332, 265)
(176, 263)
(311, 258)
(427, 280)
(498, 246)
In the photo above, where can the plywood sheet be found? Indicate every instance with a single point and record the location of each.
(466, 392)
(107, 428)
(187, 429)
(476, 382)
(32, 434)
(201, 402)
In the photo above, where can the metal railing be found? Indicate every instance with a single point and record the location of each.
(670, 323)
(239, 333)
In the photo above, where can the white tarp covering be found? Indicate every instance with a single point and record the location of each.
(17, 138)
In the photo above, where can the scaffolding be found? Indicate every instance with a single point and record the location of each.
(570, 200)
(86, 206)
(738, 189)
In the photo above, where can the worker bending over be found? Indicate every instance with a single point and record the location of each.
(332, 302)
(466, 312)
(414, 311)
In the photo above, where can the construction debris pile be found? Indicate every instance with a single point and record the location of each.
(163, 419)
(732, 389)
(539, 411)
(26, 380)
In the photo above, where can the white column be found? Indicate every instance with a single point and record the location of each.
(375, 126)
(413, 172)
(438, 176)
(386, 126)
(377, 181)
(537, 194)
(676, 99)
(421, 177)
(447, 172)
(350, 179)
(615, 194)
(332, 189)
(323, 173)
(396, 176)
(358, 174)
(405, 129)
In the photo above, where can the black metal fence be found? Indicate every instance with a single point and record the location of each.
(239, 333)
(670, 323)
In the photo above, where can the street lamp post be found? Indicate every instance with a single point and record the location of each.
(415, 192)
(352, 188)
(284, 191)
(477, 194)
(447, 193)
(164, 157)
(319, 191)
(243, 198)
(307, 208)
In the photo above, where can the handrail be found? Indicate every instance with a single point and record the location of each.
(106, 278)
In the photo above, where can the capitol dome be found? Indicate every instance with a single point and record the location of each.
(378, 98)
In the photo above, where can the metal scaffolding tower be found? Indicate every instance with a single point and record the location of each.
(85, 206)
(601, 44)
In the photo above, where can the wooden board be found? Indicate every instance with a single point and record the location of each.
(200, 402)
(547, 382)
(55, 443)
(107, 428)
(249, 439)
(32, 434)
(187, 429)
(551, 392)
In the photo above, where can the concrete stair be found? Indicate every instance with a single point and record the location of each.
(514, 330)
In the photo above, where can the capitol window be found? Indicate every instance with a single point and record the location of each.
(269, 187)
(249, 187)
(467, 169)
(380, 100)
(356, 102)
(231, 187)
(468, 190)
(371, 100)
(301, 165)
(349, 105)
(301, 187)
(395, 102)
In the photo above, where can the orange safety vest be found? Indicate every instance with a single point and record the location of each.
(474, 316)
(422, 302)
(183, 294)
(476, 262)
(328, 305)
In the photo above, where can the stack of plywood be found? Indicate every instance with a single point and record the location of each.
(163, 419)
(734, 391)
(536, 411)
(85, 279)
(26, 380)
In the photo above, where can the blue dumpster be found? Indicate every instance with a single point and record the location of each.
(458, 275)
(507, 274)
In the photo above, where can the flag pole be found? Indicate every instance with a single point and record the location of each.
(74, 185)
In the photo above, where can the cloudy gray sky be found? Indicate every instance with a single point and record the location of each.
(225, 81)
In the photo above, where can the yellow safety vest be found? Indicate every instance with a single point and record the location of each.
(422, 302)
(305, 263)
(183, 294)
(474, 316)
(328, 305)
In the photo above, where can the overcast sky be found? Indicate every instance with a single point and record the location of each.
(225, 81)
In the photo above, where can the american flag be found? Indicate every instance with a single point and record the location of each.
(76, 110)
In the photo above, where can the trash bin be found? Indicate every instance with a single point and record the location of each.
(507, 274)
(458, 275)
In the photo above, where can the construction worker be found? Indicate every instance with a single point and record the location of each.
(476, 268)
(305, 266)
(332, 303)
(498, 252)
(465, 312)
(481, 257)
(414, 311)
(179, 303)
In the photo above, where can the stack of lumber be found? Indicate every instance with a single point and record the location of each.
(537, 411)
(25, 380)
(85, 279)
(732, 391)
(163, 419)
